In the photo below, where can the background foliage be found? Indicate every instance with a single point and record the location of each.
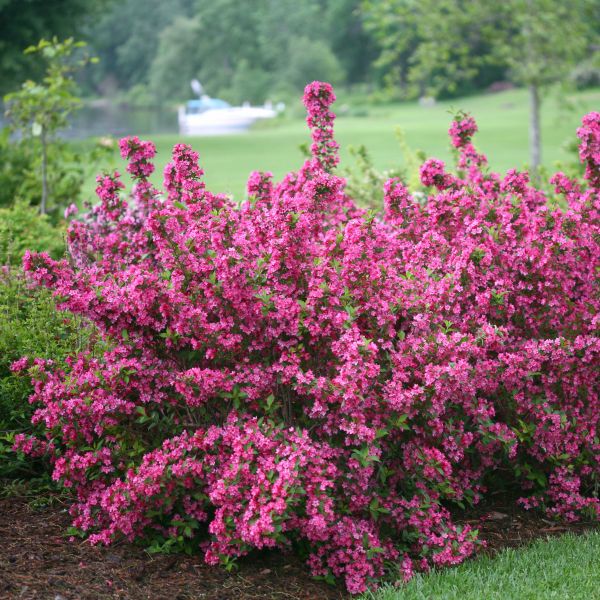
(247, 50)
(251, 50)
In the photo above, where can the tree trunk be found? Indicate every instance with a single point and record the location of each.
(534, 128)
(44, 203)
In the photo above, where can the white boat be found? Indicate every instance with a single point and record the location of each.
(211, 116)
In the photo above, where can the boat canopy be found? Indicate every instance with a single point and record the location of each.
(202, 104)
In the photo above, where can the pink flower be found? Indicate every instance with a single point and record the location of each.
(70, 210)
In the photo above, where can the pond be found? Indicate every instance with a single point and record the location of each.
(118, 121)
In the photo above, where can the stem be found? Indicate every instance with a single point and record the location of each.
(44, 202)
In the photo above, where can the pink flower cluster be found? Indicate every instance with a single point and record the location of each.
(296, 370)
(318, 97)
(589, 149)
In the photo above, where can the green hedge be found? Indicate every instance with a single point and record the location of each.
(30, 326)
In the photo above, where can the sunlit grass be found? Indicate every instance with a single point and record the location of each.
(562, 568)
(503, 136)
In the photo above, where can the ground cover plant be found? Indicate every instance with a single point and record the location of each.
(298, 372)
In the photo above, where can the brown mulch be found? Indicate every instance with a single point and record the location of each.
(38, 562)
(503, 524)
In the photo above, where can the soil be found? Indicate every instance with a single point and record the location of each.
(38, 562)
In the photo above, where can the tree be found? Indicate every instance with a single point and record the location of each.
(548, 39)
(537, 42)
(39, 110)
(246, 51)
(394, 28)
(238, 50)
(351, 43)
(209, 46)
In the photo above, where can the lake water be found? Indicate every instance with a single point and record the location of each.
(118, 121)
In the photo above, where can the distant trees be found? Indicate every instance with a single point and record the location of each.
(239, 50)
(172, 67)
(440, 45)
(126, 39)
(270, 48)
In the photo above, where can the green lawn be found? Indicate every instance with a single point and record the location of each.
(564, 568)
(502, 119)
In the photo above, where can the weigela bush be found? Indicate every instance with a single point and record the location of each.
(297, 372)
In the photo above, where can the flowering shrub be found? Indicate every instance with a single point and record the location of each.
(299, 372)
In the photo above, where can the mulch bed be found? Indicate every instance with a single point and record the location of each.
(38, 561)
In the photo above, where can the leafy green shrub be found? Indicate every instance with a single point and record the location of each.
(39, 110)
(15, 164)
(365, 183)
(23, 228)
(69, 164)
(20, 167)
(31, 326)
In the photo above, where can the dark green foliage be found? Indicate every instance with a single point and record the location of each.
(25, 22)
(20, 168)
(23, 228)
(30, 326)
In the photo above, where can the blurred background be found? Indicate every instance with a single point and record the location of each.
(517, 66)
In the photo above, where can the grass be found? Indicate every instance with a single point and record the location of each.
(502, 119)
(560, 568)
